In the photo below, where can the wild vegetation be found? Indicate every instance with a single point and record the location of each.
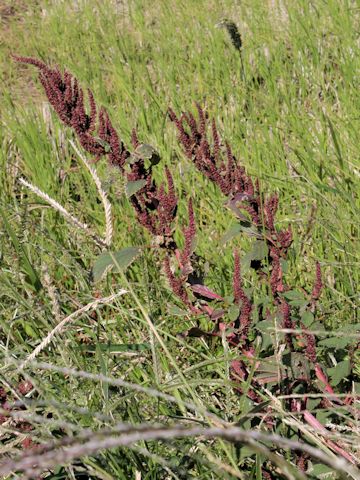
(179, 204)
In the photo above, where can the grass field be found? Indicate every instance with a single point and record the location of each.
(289, 105)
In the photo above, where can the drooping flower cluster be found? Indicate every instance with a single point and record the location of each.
(219, 164)
(154, 206)
(67, 99)
(209, 159)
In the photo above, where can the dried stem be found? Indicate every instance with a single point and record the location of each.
(68, 449)
(70, 218)
(102, 194)
(70, 318)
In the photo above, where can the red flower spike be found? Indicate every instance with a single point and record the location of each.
(237, 283)
(155, 208)
(284, 238)
(276, 276)
(230, 178)
(3, 395)
(202, 120)
(176, 284)
(183, 136)
(134, 139)
(27, 443)
(67, 99)
(240, 297)
(310, 350)
(270, 209)
(189, 234)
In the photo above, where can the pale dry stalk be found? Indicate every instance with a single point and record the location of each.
(103, 196)
(70, 218)
(70, 318)
(38, 462)
(53, 295)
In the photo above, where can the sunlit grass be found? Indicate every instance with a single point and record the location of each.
(293, 122)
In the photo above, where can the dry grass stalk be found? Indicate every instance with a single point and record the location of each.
(39, 460)
(70, 218)
(103, 196)
(152, 392)
(52, 293)
(70, 318)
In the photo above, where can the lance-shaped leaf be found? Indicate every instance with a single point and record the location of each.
(205, 292)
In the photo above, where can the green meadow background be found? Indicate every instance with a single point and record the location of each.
(292, 120)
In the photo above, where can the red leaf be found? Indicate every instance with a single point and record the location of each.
(205, 292)
(216, 314)
(314, 422)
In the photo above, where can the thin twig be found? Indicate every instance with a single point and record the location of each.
(52, 293)
(70, 218)
(68, 319)
(102, 194)
(152, 392)
(125, 436)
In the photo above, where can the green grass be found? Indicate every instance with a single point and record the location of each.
(293, 123)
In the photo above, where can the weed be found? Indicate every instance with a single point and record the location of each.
(298, 368)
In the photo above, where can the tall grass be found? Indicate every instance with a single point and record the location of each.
(291, 119)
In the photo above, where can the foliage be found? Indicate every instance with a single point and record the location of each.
(248, 323)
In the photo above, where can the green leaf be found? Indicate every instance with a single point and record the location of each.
(322, 471)
(230, 234)
(340, 372)
(259, 250)
(118, 260)
(298, 364)
(312, 403)
(144, 152)
(246, 452)
(293, 295)
(246, 262)
(244, 227)
(175, 310)
(233, 312)
(284, 265)
(336, 342)
(265, 326)
(29, 330)
(307, 318)
(351, 328)
(133, 187)
(104, 144)
(298, 303)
